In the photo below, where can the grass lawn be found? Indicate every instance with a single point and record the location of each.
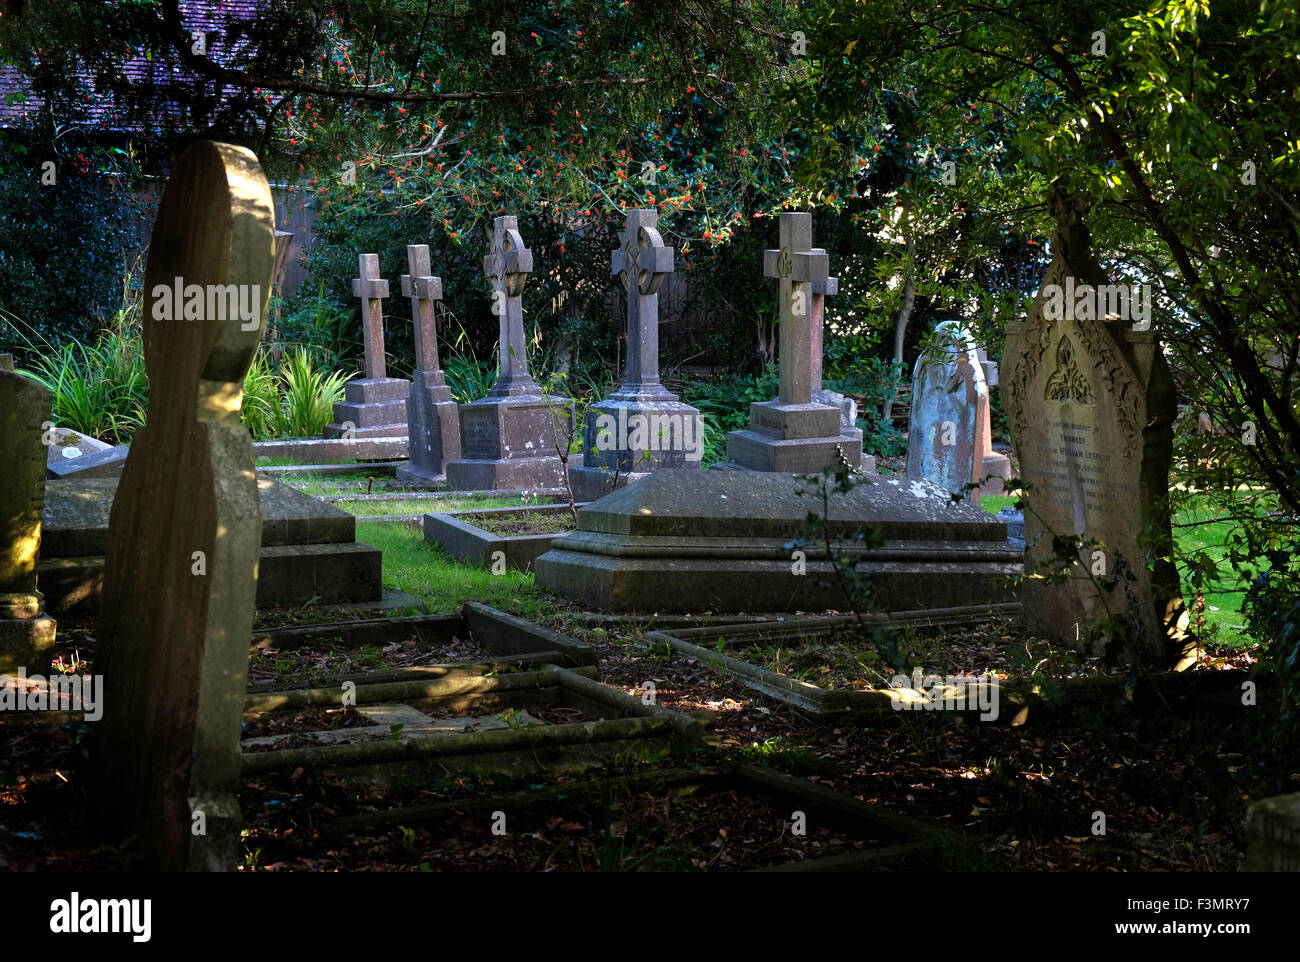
(424, 505)
(428, 572)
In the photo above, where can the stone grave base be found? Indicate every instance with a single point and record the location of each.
(669, 431)
(26, 633)
(510, 442)
(74, 454)
(456, 532)
(309, 549)
(331, 451)
(691, 541)
(996, 468)
(375, 406)
(794, 438)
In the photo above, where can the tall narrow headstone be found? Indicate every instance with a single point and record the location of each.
(1091, 404)
(949, 437)
(642, 426)
(373, 406)
(794, 433)
(508, 439)
(431, 413)
(26, 632)
(180, 570)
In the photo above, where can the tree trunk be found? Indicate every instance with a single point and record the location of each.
(909, 301)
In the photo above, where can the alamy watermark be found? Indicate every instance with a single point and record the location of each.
(1104, 302)
(216, 302)
(24, 692)
(948, 693)
(650, 432)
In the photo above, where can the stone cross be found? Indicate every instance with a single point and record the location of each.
(423, 289)
(642, 263)
(820, 290)
(797, 265)
(371, 289)
(184, 536)
(507, 267)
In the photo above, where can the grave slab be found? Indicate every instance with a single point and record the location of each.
(308, 548)
(690, 541)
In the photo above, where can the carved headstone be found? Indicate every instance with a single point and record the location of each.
(1091, 403)
(26, 632)
(949, 437)
(642, 426)
(180, 571)
(373, 406)
(508, 439)
(431, 413)
(795, 433)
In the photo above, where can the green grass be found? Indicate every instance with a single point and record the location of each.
(413, 565)
(423, 505)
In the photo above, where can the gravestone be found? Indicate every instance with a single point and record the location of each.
(794, 433)
(1090, 406)
(26, 632)
(431, 413)
(722, 541)
(949, 439)
(1273, 834)
(373, 406)
(508, 439)
(642, 426)
(180, 573)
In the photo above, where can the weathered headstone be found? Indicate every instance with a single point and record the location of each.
(26, 632)
(1273, 834)
(508, 439)
(642, 426)
(794, 433)
(373, 406)
(949, 437)
(1091, 403)
(431, 413)
(180, 571)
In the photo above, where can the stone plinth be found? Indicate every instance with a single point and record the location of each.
(694, 541)
(635, 436)
(509, 442)
(371, 408)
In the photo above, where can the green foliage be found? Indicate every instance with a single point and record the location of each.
(102, 390)
(323, 323)
(308, 396)
(65, 243)
(261, 406)
(724, 406)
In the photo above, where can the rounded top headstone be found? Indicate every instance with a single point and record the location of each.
(211, 257)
